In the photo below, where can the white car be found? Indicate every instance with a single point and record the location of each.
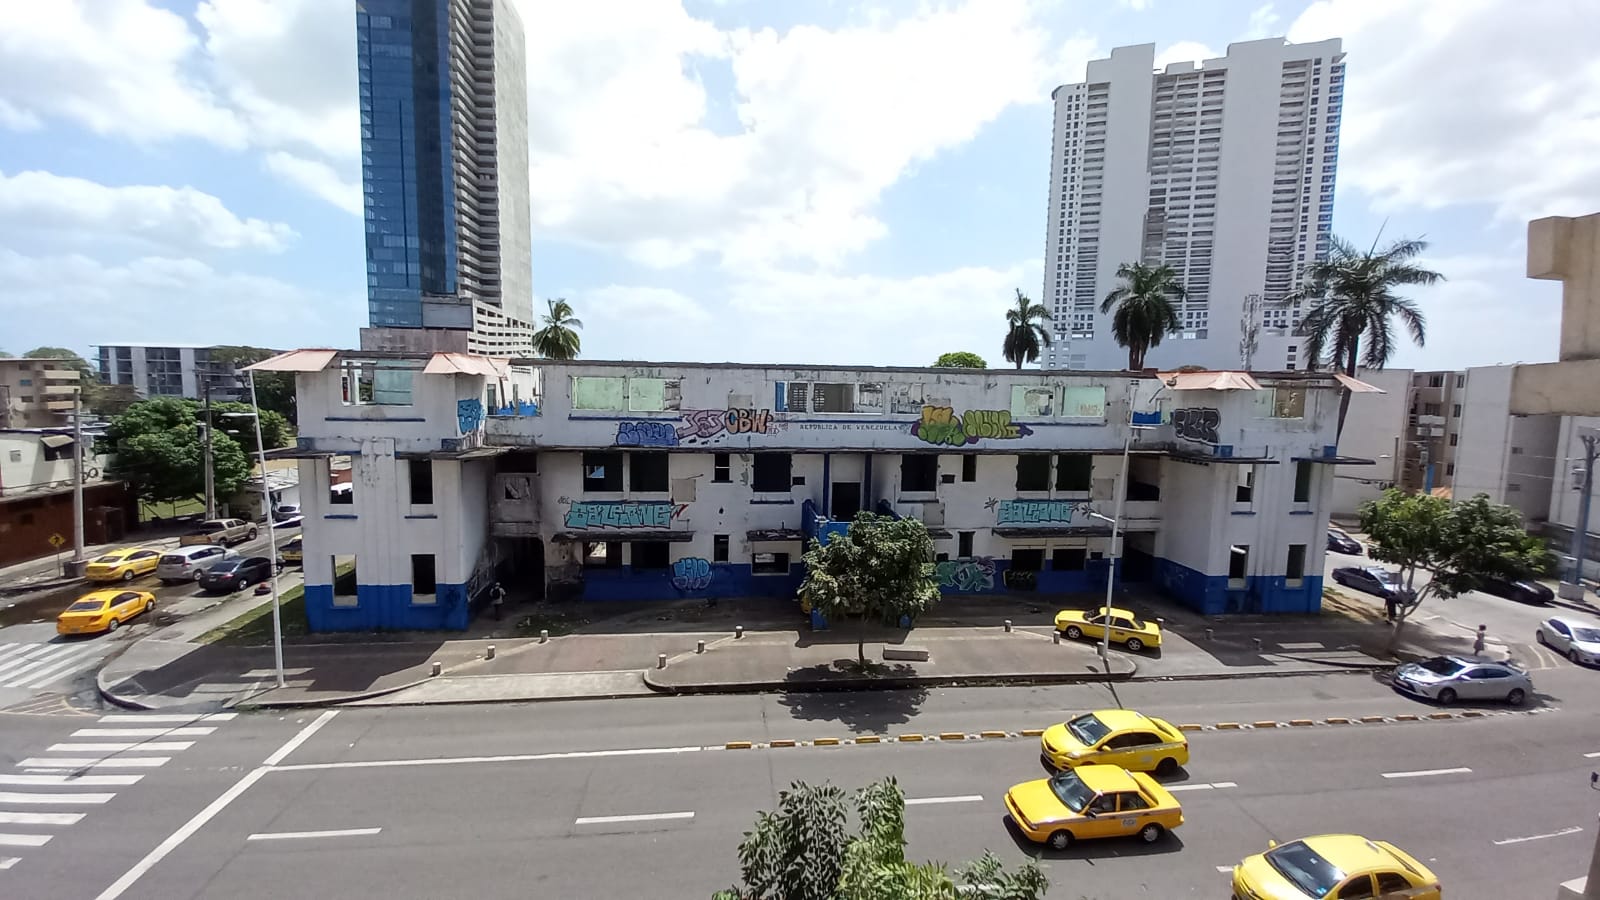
(186, 563)
(1579, 640)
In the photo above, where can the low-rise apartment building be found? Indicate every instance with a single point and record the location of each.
(36, 393)
(172, 370)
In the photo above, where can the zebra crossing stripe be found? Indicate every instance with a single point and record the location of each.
(60, 780)
(165, 719)
(14, 797)
(89, 762)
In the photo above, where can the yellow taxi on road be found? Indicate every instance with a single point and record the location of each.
(1332, 865)
(1119, 737)
(1127, 629)
(294, 551)
(1092, 801)
(103, 611)
(123, 565)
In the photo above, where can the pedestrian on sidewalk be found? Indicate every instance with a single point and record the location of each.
(497, 600)
(1391, 607)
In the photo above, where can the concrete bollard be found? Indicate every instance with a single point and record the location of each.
(437, 668)
(488, 652)
(1258, 644)
(1008, 626)
(699, 646)
(1056, 635)
(661, 660)
(1209, 633)
(738, 632)
(544, 635)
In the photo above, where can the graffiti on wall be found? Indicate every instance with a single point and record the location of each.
(469, 414)
(1197, 424)
(940, 425)
(647, 434)
(622, 514)
(1039, 512)
(706, 424)
(691, 574)
(962, 575)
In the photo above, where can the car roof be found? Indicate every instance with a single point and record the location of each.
(107, 594)
(1119, 719)
(1113, 610)
(196, 548)
(1351, 852)
(1103, 779)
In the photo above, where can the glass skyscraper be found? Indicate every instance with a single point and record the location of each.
(445, 175)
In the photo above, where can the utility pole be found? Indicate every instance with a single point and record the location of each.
(78, 563)
(211, 478)
(1591, 446)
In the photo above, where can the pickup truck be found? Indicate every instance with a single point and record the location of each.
(222, 532)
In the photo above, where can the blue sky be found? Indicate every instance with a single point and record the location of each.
(815, 180)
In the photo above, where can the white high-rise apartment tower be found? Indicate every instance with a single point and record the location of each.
(1223, 170)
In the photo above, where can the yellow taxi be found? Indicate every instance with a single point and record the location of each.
(1092, 801)
(294, 551)
(1118, 737)
(1332, 865)
(1127, 629)
(123, 565)
(103, 611)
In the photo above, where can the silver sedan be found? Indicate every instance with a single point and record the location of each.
(1451, 678)
(1578, 639)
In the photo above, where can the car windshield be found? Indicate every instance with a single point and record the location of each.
(1071, 790)
(1088, 729)
(109, 558)
(1312, 874)
(86, 606)
(1586, 635)
(1441, 665)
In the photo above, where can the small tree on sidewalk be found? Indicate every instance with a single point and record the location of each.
(1459, 544)
(881, 570)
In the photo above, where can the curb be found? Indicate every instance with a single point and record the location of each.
(885, 684)
(337, 701)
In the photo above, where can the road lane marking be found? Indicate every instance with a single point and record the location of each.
(467, 760)
(926, 801)
(89, 762)
(1202, 786)
(86, 780)
(7, 862)
(59, 667)
(197, 731)
(1539, 837)
(188, 829)
(643, 817)
(1591, 756)
(63, 799)
(127, 718)
(18, 818)
(1302, 645)
(296, 835)
(1225, 869)
(1460, 770)
(24, 840)
(295, 742)
(121, 746)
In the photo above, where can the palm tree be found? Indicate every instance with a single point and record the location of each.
(1354, 298)
(1026, 334)
(558, 339)
(1144, 313)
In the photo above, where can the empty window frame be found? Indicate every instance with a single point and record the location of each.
(721, 468)
(651, 555)
(1033, 472)
(771, 473)
(1074, 472)
(919, 473)
(421, 473)
(647, 472)
(602, 471)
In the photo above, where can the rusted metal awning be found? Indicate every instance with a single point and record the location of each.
(54, 441)
(295, 361)
(465, 364)
(606, 536)
(1209, 381)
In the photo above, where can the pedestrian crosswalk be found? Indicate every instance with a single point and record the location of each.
(53, 792)
(40, 665)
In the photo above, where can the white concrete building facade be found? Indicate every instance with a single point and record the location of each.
(170, 370)
(1510, 458)
(1223, 170)
(630, 480)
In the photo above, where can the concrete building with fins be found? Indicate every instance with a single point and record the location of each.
(444, 144)
(1223, 169)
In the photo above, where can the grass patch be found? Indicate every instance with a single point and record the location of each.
(254, 627)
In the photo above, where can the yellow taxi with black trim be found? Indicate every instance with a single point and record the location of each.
(1091, 802)
(103, 611)
(1127, 628)
(123, 565)
(1119, 737)
(294, 551)
(1333, 865)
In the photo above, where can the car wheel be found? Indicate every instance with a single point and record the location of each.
(113, 626)
(1151, 833)
(1572, 654)
(252, 535)
(1539, 637)
(1073, 632)
(1060, 840)
(1134, 645)
(1516, 697)
(127, 575)
(1167, 766)
(1447, 696)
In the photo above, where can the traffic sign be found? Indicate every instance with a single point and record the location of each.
(56, 540)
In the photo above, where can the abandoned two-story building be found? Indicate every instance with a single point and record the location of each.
(626, 480)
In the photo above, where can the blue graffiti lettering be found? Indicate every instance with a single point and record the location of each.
(965, 575)
(620, 514)
(469, 414)
(1038, 512)
(691, 574)
(647, 434)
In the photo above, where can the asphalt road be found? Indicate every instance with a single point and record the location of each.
(637, 798)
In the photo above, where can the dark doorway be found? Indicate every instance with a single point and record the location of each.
(1139, 557)
(522, 567)
(846, 501)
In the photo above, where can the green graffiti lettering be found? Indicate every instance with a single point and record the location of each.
(989, 423)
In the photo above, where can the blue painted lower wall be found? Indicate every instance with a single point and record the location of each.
(1210, 595)
(689, 578)
(387, 607)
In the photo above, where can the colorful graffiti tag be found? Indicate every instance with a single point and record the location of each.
(469, 415)
(647, 434)
(1038, 512)
(965, 575)
(705, 424)
(691, 574)
(622, 514)
(1197, 424)
(940, 425)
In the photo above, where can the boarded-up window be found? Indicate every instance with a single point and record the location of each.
(869, 396)
(1087, 402)
(1032, 402)
(653, 394)
(833, 397)
(799, 396)
(599, 393)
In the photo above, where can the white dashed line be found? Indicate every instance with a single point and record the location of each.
(1538, 837)
(1202, 786)
(926, 801)
(295, 835)
(1591, 756)
(7, 862)
(1461, 770)
(646, 817)
(474, 760)
(1225, 869)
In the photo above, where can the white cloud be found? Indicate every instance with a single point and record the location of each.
(1442, 109)
(319, 178)
(86, 211)
(1263, 22)
(1185, 51)
(1467, 316)
(650, 307)
(1135, 5)
(16, 118)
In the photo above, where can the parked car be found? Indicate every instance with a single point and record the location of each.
(286, 510)
(1451, 678)
(186, 563)
(1523, 590)
(1578, 639)
(294, 551)
(236, 574)
(1339, 542)
(123, 565)
(289, 522)
(223, 532)
(103, 611)
(1374, 580)
(1127, 628)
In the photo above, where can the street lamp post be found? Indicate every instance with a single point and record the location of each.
(272, 540)
(78, 563)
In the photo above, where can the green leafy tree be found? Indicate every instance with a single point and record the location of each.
(235, 420)
(155, 445)
(274, 390)
(804, 851)
(109, 400)
(558, 339)
(71, 356)
(1026, 335)
(1354, 297)
(882, 569)
(1144, 311)
(960, 359)
(1459, 544)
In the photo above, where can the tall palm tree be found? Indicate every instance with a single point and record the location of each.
(558, 339)
(1354, 298)
(1145, 313)
(1026, 334)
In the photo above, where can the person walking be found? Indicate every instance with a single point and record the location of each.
(497, 600)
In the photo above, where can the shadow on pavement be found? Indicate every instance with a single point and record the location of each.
(1089, 851)
(216, 672)
(862, 712)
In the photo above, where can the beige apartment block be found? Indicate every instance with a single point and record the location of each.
(36, 393)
